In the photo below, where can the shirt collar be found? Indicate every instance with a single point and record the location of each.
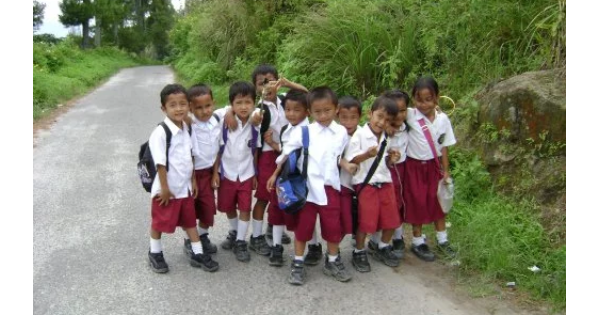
(322, 128)
(419, 115)
(369, 133)
(211, 121)
(174, 129)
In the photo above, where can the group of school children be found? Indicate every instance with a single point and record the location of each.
(361, 180)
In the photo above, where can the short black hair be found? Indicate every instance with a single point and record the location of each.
(322, 92)
(199, 89)
(397, 95)
(426, 83)
(349, 102)
(264, 69)
(387, 104)
(297, 96)
(241, 88)
(171, 89)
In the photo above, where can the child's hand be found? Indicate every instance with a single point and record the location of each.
(282, 82)
(373, 151)
(394, 155)
(256, 118)
(216, 181)
(348, 167)
(268, 135)
(164, 197)
(446, 176)
(271, 182)
(230, 120)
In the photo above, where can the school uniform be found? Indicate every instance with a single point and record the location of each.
(237, 168)
(180, 210)
(422, 174)
(207, 135)
(377, 207)
(399, 142)
(267, 156)
(346, 196)
(276, 216)
(326, 145)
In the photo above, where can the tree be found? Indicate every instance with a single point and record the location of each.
(38, 14)
(160, 21)
(75, 13)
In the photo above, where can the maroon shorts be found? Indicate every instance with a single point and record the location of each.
(329, 215)
(266, 167)
(346, 210)
(235, 195)
(179, 212)
(377, 208)
(277, 216)
(397, 172)
(205, 202)
(420, 192)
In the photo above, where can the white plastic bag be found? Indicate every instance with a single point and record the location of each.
(445, 194)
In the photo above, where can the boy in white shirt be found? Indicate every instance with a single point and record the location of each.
(234, 171)
(174, 187)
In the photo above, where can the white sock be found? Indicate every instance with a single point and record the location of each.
(314, 240)
(399, 233)
(301, 258)
(383, 245)
(202, 231)
(242, 228)
(233, 224)
(418, 240)
(332, 258)
(257, 228)
(376, 237)
(155, 246)
(277, 234)
(197, 248)
(442, 236)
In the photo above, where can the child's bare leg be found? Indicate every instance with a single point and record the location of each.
(417, 229)
(440, 225)
(154, 234)
(360, 240)
(299, 247)
(258, 212)
(192, 233)
(334, 248)
(386, 236)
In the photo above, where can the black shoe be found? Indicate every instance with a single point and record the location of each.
(314, 255)
(336, 270)
(398, 248)
(276, 258)
(298, 274)
(285, 239)
(259, 245)
(187, 247)
(240, 249)
(360, 261)
(207, 246)
(446, 249)
(386, 256)
(229, 242)
(204, 261)
(157, 262)
(422, 251)
(372, 246)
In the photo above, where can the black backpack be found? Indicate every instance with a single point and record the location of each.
(266, 122)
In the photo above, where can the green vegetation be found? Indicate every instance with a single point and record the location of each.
(63, 71)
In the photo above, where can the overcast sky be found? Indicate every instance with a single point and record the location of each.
(53, 26)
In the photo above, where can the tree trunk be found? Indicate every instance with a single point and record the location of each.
(116, 33)
(98, 33)
(85, 30)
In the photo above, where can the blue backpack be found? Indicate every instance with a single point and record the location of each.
(291, 186)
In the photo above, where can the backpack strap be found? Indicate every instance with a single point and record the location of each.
(265, 124)
(284, 128)
(375, 164)
(217, 117)
(169, 136)
(427, 134)
(222, 149)
(305, 143)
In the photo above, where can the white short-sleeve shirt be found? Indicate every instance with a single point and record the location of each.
(278, 120)
(440, 129)
(326, 145)
(207, 135)
(237, 159)
(360, 143)
(286, 136)
(399, 142)
(345, 177)
(179, 175)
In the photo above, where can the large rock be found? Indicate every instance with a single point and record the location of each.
(520, 131)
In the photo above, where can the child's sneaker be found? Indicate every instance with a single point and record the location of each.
(187, 247)
(360, 261)
(336, 269)
(422, 251)
(229, 242)
(386, 256)
(314, 255)
(298, 274)
(372, 245)
(276, 258)
(157, 262)
(204, 261)
(207, 246)
(285, 239)
(446, 249)
(259, 245)
(398, 248)
(240, 249)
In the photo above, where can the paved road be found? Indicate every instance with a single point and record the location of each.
(91, 219)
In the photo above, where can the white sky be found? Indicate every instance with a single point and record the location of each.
(52, 25)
